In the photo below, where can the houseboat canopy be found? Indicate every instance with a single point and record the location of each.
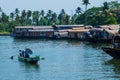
(83, 30)
(40, 30)
(111, 27)
(33, 27)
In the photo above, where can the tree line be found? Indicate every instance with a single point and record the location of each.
(108, 13)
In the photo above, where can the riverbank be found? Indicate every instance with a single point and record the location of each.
(4, 33)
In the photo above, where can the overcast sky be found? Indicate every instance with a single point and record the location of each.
(55, 5)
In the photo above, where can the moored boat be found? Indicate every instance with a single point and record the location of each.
(115, 50)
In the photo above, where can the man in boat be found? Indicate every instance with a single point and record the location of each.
(26, 54)
(21, 53)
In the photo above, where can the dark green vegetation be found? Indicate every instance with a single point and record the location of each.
(108, 13)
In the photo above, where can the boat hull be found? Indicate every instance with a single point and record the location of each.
(113, 52)
(94, 40)
(32, 60)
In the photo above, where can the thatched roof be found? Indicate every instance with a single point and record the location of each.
(111, 27)
(43, 30)
(96, 29)
(34, 27)
(112, 31)
(80, 28)
(83, 30)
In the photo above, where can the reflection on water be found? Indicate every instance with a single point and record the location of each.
(115, 63)
(28, 66)
(64, 60)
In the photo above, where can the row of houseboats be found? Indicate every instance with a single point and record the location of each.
(104, 34)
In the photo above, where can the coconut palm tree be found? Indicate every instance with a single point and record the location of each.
(11, 16)
(54, 18)
(23, 17)
(35, 16)
(29, 14)
(17, 11)
(49, 16)
(61, 17)
(86, 2)
(78, 10)
(42, 13)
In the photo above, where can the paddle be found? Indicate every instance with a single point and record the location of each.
(42, 58)
(12, 57)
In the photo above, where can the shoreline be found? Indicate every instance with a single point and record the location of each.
(4, 34)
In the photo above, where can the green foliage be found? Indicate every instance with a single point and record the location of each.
(80, 19)
(1, 27)
(109, 13)
(110, 20)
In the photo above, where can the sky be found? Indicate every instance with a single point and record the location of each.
(55, 5)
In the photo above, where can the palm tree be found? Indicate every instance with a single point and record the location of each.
(86, 2)
(5, 20)
(12, 16)
(42, 20)
(49, 16)
(106, 8)
(61, 16)
(29, 14)
(78, 10)
(35, 16)
(67, 19)
(54, 18)
(17, 11)
(23, 17)
(42, 13)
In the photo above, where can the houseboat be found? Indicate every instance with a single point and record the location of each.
(55, 31)
(101, 35)
(33, 32)
(77, 33)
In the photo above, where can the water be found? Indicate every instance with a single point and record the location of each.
(64, 60)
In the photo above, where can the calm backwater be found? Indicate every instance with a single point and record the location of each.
(64, 60)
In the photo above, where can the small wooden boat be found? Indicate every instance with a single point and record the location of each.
(115, 50)
(24, 56)
(31, 60)
(95, 40)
